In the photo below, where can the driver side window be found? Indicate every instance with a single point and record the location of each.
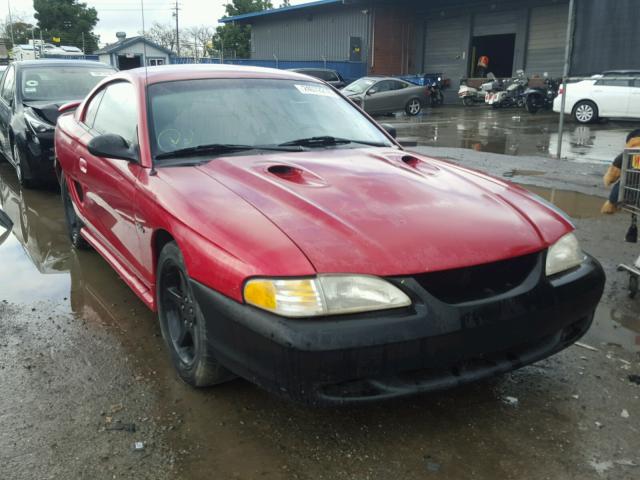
(117, 112)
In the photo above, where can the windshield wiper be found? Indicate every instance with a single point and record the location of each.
(328, 141)
(220, 148)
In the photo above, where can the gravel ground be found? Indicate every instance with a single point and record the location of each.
(81, 361)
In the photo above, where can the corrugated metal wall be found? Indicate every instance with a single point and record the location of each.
(310, 36)
(547, 37)
(446, 46)
(497, 23)
(607, 36)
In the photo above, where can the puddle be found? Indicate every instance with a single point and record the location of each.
(576, 205)
(614, 327)
(522, 173)
(497, 131)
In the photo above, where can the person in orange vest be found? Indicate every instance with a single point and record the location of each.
(612, 177)
(483, 66)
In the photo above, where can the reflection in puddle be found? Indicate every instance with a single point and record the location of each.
(614, 327)
(576, 205)
(502, 131)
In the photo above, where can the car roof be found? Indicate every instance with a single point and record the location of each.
(168, 73)
(311, 69)
(621, 72)
(60, 63)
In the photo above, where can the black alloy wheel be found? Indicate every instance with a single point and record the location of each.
(182, 324)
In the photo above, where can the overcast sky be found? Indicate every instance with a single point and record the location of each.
(124, 15)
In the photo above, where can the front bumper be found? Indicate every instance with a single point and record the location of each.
(39, 154)
(429, 346)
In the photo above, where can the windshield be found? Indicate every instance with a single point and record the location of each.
(60, 83)
(253, 112)
(360, 86)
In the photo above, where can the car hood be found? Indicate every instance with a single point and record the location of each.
(47, 110)
(386, 212)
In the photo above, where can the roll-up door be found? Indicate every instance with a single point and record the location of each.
(547, 37)
(497, 23)
(445, 49)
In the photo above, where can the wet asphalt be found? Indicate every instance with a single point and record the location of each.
(511, 132)
(82, 364)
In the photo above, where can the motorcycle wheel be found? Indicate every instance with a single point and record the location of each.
(467, 101)
(532, 105)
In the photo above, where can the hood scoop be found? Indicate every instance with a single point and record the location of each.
(420, 165)
(295, 174)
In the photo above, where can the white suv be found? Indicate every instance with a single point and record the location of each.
(615, 93)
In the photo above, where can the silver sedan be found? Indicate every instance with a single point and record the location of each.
(378, 95)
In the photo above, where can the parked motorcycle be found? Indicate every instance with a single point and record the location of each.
(470, 95)
(512, 95)
(435, 92)
(541, 98)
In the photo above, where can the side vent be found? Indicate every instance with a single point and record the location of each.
(79, 191)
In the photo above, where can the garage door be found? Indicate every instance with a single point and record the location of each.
(547, 37)
(446, 45)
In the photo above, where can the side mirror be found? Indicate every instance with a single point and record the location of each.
(371, 91)
(112, 146)
(390, 129)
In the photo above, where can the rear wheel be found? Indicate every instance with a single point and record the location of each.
(467, 101)
(74, 224)
(182, 323)
(585, 112)
(532, 104)
(413, 107)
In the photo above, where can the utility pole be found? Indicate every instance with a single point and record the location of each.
(83, 43)
(10, 23)
(195, 46)
(175, 14)
(567, 63)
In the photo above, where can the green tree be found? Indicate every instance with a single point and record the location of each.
(67, 20)
(237, 38)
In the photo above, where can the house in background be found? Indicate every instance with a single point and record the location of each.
(128, 53)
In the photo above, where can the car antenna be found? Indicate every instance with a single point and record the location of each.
(146, 74)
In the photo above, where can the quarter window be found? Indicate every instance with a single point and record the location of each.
(117, 112)
(92, 109)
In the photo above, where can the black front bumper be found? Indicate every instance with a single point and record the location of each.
(39, 155)
(429, 346)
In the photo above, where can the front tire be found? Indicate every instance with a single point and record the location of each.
(467, 101)
(182, 323)
(74, 224)
(585, 112)
(19, 165)
(413, 107)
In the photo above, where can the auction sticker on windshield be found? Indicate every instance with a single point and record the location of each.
(315, 90)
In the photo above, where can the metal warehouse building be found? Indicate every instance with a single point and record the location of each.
(447, 36)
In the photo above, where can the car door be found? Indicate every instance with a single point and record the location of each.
(110, 185)
(612, 96)
(634, 99)
(379, 97)
(7, 98)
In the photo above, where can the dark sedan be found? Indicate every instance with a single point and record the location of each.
(332, 77)
(30, 94)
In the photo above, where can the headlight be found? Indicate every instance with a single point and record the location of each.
(564, 254)
(37, 125)
(323, 295)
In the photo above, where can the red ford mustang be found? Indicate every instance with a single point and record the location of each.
(284, 236)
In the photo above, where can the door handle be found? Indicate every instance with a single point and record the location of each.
(82, 163)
